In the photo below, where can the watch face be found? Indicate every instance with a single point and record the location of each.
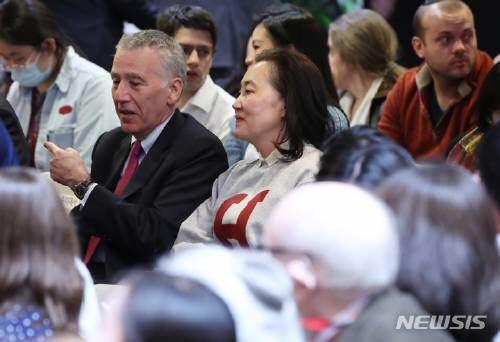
(81, 188)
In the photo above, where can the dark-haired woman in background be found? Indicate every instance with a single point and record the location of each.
(449, 257)
(282, 111)
(290, 27)
(363, 156)
(55, 91)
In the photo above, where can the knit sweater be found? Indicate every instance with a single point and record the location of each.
(243, 197)
(406, 117)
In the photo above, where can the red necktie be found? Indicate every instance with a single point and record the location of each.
(133, 162)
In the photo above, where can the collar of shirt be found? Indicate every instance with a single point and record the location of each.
(63, 79)
(342, 319)
(204, 97)
(150, 139)
(423, 78)
(271, 159)
(275, 155)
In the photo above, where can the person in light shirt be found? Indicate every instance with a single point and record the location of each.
(57, 94)
(194, 29)
(282, 111)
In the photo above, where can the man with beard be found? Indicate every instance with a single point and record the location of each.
(194, 29)
(432, 105)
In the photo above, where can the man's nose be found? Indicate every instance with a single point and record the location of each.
(121, 93)
(459, 46)
(193, 57)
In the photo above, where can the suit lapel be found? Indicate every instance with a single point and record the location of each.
(156, 156)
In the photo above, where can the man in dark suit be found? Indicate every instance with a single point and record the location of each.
(149, 174)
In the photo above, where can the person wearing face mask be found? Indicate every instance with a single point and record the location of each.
(57, 94)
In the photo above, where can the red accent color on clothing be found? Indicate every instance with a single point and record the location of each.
(237, 231)
(65, 110)
(132, 165)
(406, 117)
(315, 324)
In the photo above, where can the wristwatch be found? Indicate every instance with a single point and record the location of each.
(81, 188)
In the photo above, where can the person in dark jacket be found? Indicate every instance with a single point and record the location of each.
(8, 118)
(96, 26)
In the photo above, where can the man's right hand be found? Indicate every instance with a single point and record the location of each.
(66, 166)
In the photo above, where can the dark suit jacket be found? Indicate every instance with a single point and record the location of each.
(11, 122)
(173, 179)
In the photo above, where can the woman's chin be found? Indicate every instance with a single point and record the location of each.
(240, 134)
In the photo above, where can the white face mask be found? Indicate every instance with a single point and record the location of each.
(29, 75)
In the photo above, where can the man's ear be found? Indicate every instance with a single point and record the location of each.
(418, 46)
(175, 91)
(302, 273)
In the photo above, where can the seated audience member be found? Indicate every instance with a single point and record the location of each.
(11, 122)
(343, 264)
(282, 111)
(488, 109)
(161, 307)
(194, 29)
(363, 156)
(488, 156)
(8, 154)
(44, 288)
(432, 104)
(234, 20)
(56, 92)
(363, 48)
(449, 258)
(290, 27)
(254, 287)
(147, 175)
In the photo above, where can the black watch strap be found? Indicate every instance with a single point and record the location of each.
(81, 188)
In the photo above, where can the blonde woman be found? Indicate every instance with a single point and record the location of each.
(363, 49)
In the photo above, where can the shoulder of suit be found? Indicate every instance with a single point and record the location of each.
(112, 137)
(196, 129)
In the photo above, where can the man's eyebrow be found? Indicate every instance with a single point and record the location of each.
(128, 76)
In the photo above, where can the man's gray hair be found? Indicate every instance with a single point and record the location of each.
(348, 231)
(169, 50)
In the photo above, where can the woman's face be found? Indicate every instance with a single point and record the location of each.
(339, 69)
(260, 109)
(28, 65)
(259, 41)
(19, 56)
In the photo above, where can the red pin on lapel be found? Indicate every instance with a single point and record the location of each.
(65, 110)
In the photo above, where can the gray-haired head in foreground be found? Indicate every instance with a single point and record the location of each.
(349, 232)
(170, 51)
